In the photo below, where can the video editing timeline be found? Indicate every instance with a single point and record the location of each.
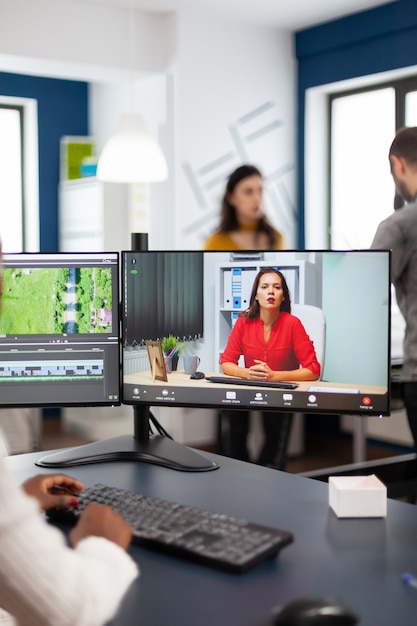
(55, 368)
(59, 340)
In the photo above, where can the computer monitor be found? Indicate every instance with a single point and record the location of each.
(342, 300)
(59, 330)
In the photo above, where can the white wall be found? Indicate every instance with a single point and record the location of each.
(80, 40)
(230, 100)
(317, 150)
(356, 346)
(215, 107)
(235, 102)
(216, 93)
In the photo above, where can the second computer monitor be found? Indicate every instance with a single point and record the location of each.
(59, 330)
(341, 298)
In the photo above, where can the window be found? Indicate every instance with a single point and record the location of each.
(411, 108)
(11, 177)
(362, 193)
(362, 127)
(19, 188)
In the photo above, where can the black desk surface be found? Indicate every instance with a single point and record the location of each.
(358, 561)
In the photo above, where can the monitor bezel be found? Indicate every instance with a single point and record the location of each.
(197, 402)
(7, 258)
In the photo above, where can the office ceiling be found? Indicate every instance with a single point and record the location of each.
(286, 14)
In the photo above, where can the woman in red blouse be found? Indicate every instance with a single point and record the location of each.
(275, 346)
(273, 342)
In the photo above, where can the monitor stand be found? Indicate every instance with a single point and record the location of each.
(141, 446)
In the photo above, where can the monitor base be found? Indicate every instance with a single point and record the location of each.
(157, 449)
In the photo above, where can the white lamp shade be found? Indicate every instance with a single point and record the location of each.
(131, 155)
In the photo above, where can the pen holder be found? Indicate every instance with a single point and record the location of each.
(171, 363)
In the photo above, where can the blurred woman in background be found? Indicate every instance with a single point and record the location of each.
(243, 225)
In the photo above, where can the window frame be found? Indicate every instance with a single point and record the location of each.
(401, 88)
(20, 110)
(30, 241)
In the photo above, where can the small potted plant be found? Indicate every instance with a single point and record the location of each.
(171, 348)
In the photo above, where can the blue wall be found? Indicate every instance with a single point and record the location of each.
(62, 110)
(377, 40)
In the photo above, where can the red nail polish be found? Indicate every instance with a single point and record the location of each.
(73, 502)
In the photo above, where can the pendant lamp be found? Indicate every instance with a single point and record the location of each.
(132, 155)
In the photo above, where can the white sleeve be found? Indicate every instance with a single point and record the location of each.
(43, 582)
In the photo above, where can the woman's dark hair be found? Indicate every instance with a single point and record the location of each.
(253, 310)
(228, 218)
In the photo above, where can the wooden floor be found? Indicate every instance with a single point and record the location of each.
(321, 450)
(330, 450)
(54, 436)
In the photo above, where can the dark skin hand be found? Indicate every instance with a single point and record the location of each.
(100, 520)
(53, 490)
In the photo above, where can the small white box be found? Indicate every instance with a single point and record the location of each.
(357, 496)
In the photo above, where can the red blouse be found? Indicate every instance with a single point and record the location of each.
(288, 347)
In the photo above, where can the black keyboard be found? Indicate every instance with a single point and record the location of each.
(246, 382)
(218, 540)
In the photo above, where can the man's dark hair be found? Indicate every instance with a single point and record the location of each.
(405, 145)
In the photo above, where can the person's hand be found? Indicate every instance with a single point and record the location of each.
(260, 371)
(53, 490)
(100, 520)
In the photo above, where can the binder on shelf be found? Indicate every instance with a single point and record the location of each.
(227, 288)
(234, 315)
(237, 287)
(247, 282)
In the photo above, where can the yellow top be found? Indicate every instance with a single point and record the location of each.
(223, 241)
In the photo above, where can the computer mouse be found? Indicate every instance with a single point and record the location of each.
(197, 375)
(313, 611)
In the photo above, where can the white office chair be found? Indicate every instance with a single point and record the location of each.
(313, 320)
